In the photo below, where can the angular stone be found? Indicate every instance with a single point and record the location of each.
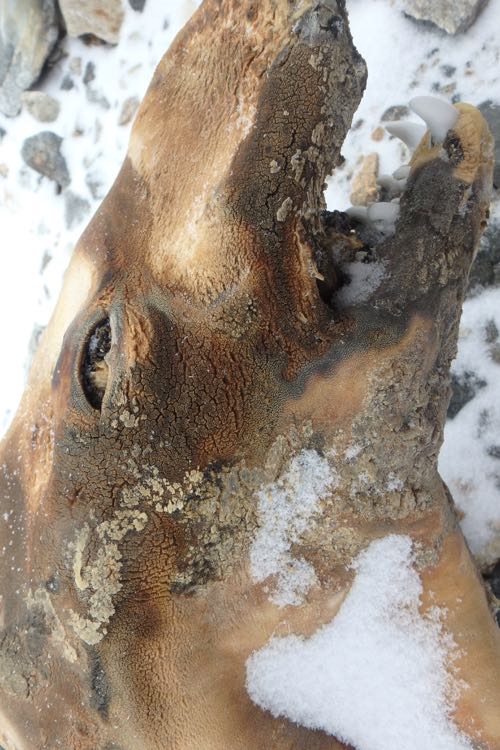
(129, 108)
(102, 18)
(396, 112)
(89, 74)
(42, 152)
(28, 33)
(453, 16)
(95, 184)
(464, 388)
(137, 5)
(42, 106)
(364, 182)
(76, 208)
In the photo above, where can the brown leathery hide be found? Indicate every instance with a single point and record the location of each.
(199, 344)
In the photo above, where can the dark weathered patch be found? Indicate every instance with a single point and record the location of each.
(100, 691)
(463, 389)
(94, 370)
(454, 149)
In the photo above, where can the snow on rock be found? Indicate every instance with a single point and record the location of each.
(286, 509)
(376, 676)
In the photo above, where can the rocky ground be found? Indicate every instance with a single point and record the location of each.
(71, 76)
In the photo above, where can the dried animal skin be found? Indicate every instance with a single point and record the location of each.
(203, 365)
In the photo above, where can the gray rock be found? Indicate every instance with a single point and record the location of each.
(42, 106)
(485, 270)
(448, 70)
(28, 33)
(137, 5)
(67, 83)
(453, 16)
(463, 390)
(95, 185)
(102, 18)
(76, 208)
(42, 152)
(397, 112)
(97, 97)
(491, 113)
(129, 108)
(2, 133)
(89, 74)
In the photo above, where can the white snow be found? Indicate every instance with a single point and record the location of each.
(285, 510)
(365, 278)
(376, 676)
(467, 461)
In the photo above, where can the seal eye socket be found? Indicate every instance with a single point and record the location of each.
(94, 369)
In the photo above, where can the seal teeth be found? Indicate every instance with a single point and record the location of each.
(411, 133)
(440, 116)
(402, 173)
(360, 213)
(387, 213)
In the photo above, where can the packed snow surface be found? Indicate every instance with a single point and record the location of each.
(285, 510)
(376, 676)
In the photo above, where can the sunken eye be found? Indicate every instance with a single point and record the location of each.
(94, 367)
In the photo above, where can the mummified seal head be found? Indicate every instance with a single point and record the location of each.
(204, 373)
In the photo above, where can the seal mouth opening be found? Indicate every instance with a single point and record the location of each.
(350, 255)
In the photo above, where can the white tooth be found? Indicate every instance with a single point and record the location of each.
(410, 133)
(384, 212)
(358, 212)
(392, 185)
(439, 115)
(402, 173)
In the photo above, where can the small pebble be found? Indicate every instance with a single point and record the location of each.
(129, 108)
(41, 106)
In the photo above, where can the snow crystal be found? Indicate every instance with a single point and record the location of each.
(364, 278)
(375, 676)
(285, 511)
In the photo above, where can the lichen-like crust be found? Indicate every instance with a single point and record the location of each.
(224, 366)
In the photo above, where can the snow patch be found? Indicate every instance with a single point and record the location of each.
(285, 510)
(374, 677)
(365, 278)
(469, 460)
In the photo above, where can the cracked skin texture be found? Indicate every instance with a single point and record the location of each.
(128, 608)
